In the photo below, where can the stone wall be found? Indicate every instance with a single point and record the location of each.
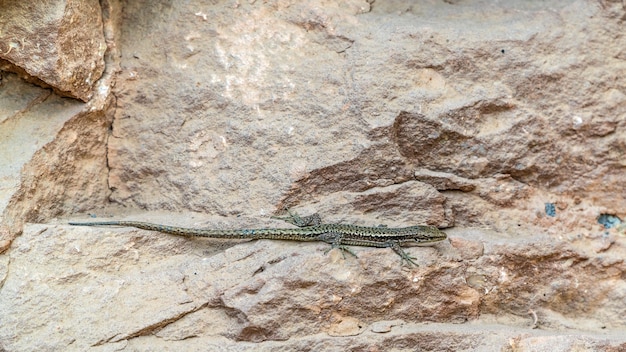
(502, 123)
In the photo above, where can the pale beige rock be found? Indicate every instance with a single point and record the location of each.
(397, 205)
(372, 113)
(46, 141)
(55, 44)
(385, 325)
(468, 249)
(409, 118)
(345, 326)
(443, 181)
(104, 286)
(39, 154)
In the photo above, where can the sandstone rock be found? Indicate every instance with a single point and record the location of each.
(55, 44)
(99, 287)
(221, 114)
(39, 153)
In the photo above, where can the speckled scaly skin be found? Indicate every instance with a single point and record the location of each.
(338, 235)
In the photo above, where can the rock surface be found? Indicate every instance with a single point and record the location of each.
(502, 122)
(55, 44)
(107, 288)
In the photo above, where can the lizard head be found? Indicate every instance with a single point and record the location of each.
(425, 235)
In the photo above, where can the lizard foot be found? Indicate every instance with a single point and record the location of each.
(300, 221)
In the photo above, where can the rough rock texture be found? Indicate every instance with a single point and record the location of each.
(115, 288)
(250, 99)
(40, 153)
(503, 122)
(53, 149)
(55, 44)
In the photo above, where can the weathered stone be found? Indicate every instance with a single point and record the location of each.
(146, 284)
(444, 181)
(38, 154)
(55, 44)
(371, 113)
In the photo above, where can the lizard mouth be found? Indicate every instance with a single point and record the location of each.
(423, 244)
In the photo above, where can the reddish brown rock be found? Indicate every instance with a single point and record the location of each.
(54, 44)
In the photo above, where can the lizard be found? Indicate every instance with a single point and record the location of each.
(309, 228)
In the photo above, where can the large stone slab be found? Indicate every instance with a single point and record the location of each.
(57, 44)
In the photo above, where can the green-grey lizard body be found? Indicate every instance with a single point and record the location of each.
(338, 235)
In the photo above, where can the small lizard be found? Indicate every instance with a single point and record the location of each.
(309, 228)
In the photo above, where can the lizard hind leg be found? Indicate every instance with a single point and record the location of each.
(300, 221)
(334, 239)
(344, 249)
